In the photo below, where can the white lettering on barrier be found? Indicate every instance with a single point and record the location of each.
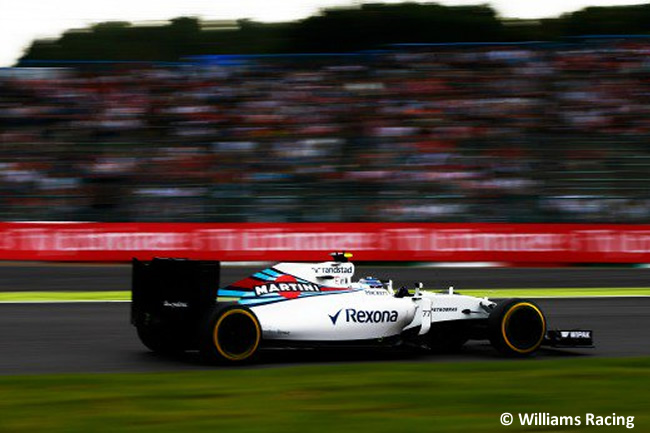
(463, 240)
(282, 240)
(403, 239)
(407, 239)
(610, 241)
(471, 240)
(91, 240)
(599, 241)
(214, 240)
(635, 242)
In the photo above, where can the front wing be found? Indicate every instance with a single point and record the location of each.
(569, 338)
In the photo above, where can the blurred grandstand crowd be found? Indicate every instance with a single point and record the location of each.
(520, 133)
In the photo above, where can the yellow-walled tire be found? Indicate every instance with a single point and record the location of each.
(231, 335)
(517, 327)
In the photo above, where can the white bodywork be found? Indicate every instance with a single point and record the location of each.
(322, 302)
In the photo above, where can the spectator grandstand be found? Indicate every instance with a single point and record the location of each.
(494, 133)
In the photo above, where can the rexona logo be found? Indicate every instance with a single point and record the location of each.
(285, 287)
(365, 316)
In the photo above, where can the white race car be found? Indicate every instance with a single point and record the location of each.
(178, 305)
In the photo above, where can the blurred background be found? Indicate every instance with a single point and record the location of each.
(408, 112)
(505, 112)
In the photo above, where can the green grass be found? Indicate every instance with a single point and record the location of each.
(369, 397)
(65, 296)
(492, 293)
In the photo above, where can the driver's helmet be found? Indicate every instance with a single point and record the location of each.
(371, 283)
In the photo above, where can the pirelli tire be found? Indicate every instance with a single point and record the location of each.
(231, 335)
(517, 327)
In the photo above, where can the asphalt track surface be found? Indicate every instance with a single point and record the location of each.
(68, 277)
(97, 337)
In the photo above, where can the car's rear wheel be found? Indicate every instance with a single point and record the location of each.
(232, 334)
(517, 327)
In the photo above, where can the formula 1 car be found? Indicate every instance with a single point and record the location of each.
(178, 305)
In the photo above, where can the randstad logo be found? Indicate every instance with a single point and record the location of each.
(365, 316)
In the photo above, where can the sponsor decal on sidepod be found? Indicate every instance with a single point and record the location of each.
(285, 287)
(365, 316)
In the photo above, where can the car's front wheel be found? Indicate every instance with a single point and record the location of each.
(517, 327)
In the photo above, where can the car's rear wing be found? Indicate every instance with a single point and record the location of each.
(173, 292)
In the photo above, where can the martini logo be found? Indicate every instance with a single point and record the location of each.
(286, 286)
(365, 316)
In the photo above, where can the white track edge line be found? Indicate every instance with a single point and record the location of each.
(99, 301)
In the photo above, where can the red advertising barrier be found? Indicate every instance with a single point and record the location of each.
(513, 243)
